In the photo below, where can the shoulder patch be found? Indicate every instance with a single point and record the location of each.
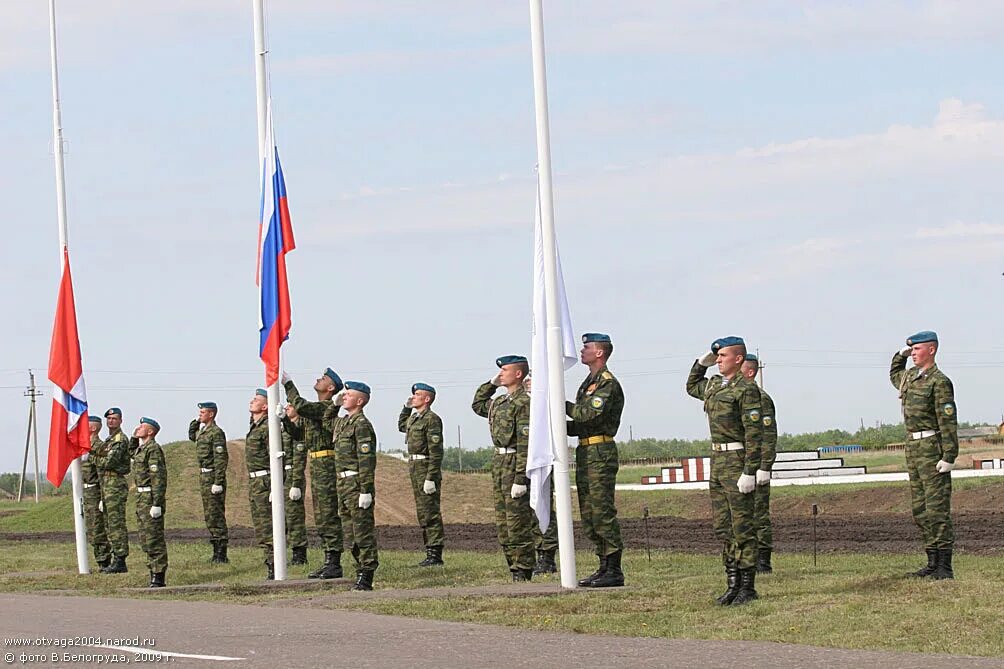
(767, 421)
(607, 375)
(949, 409)
(596, 402)
(755, 415)
(365, 448)
(219, 449)
(434, 438)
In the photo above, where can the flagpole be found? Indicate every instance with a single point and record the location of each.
(555, 364)
(76, 477)
(274, 428)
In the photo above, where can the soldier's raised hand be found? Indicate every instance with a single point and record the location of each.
(707, 359)
(285, 377)
(905, 350)
(496, 380)
(410, 402)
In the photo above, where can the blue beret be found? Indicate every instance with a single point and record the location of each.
(358, 386)
(510, 360)
(337, 380)
(423, 386)
(751, 357)
(150, 421)
(262, 392)
(94, 419)
(208, 405)
(114, 411)
(725, 342)
(595, 336)
(923, 337)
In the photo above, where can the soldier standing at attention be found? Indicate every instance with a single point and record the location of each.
(113, 464)
(294, 465)
(211, 453)
(150, 469)
(423, 430)
(732, 403)
(509, 422)
(259, 486)
(595, 417)
(929, 412)
(315, 421)
(761, 496)
(92, 497)
(546, 543)
(355, 445)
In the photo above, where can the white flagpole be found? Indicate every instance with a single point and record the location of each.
(274, 428)
(555, 364)
(76, 477)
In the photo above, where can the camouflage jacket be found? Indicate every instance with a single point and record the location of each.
(115, 454)
(89, 470)
(509, 421)
(734, 410)
(316, 418)
(355, 445)
(150, 469)
(256, 445)
(294, 452)
(769, 422)
(598, 405)
(424, 436)
(928, 399)
(210, 449)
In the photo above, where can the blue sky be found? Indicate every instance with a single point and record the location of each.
(822, 179)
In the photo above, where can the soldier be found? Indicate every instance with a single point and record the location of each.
(92, 497)
(423, 430)
(929, 412)
(546, 543)
(595, 417)
(259, 486)
(211, 453)
(113, 463)
(150, 470)
(732, 403)
(294, 465)
(315, 421)
(509, 421)
(761, 496)
(355, 445)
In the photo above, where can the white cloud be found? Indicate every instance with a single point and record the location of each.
(960, 229)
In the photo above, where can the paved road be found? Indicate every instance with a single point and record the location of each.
(274, 636)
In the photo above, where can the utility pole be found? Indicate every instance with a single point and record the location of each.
(630, 433)
(760, 366)
(460, 450)
(32, 436)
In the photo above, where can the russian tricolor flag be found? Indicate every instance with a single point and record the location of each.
(275, 240)
(68, 432)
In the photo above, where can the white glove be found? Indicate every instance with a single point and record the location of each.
(216, 489)
(496, 380)
(905, 350)
(270, 498)
(746, 483)
(156, 512)
(944, 467)
(280, 410)
(762, 477)
(101, 506)
(517, 491)
(295, 494)
(285, 377)
(708, 359)
(429, 487)
(365, 500)
(85, 457)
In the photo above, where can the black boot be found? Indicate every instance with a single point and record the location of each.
(613, 577)
(216, 552)
(433, 557)
(588, 580)
(932, 564)
(364, 581)
(221, 557)
(522, 575)
(270, 565)
(763, 562)
(545, 563)
(943, 568)
(732, 580)
(117, 566)
(747, 587)
(104, 563)
(332, 567)
(299, 555)
(157, 579)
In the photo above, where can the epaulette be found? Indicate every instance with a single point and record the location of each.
(606, 376)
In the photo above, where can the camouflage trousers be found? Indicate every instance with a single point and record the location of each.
(296, 516)
(547, 541)
(430, 519)
(514, 518)
(214, 507)
(731, 510)
(96, 523)
(930, 492)
(261, 512)
(358, 524)
(114, 493)
(324, 492)
(151, 534)
(761, 518)
(595, 476)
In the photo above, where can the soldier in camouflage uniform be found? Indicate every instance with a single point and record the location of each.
(113, 463)
(595, 417)
(355, 446)
(423, 430)
(294, 465)
(930, 415)
(150, 470)
(761, 496)
(509, 421)
(259, 476)
(734, 409)
(92, 497)
(546, 543)
(316, 420)
(211, 453)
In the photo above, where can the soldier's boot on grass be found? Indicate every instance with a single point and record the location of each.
(104, 563)
(943, 568)
(222, 557)
(215, 559)
(157, 579)
(433, 557)
(613, 577)
(332, 567)
(932, 564)
(545, 563)
(732, 580)
(522, 575)
(763, 562)
(364, 581)
(116, 566)
(270, 566)
(299, 555)
(747, 587)
(588, 580)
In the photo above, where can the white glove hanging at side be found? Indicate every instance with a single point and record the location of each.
(517, 490)
(944, 467)
(746, 483)
(295, 494)
(156, 512)
(762, 477)
(429, 487)
(365, 500)
(216, 489)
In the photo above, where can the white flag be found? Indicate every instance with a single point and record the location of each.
(540, 457)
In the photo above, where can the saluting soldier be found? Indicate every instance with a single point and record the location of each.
(732, 403)
(423, 430)
(509, 422)
(259, 479)
(355, 445)
(211, 453)
(113, 463)
(294, 465)
(150, 471)
(930, 415)
(761, 496)
(92, 496)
